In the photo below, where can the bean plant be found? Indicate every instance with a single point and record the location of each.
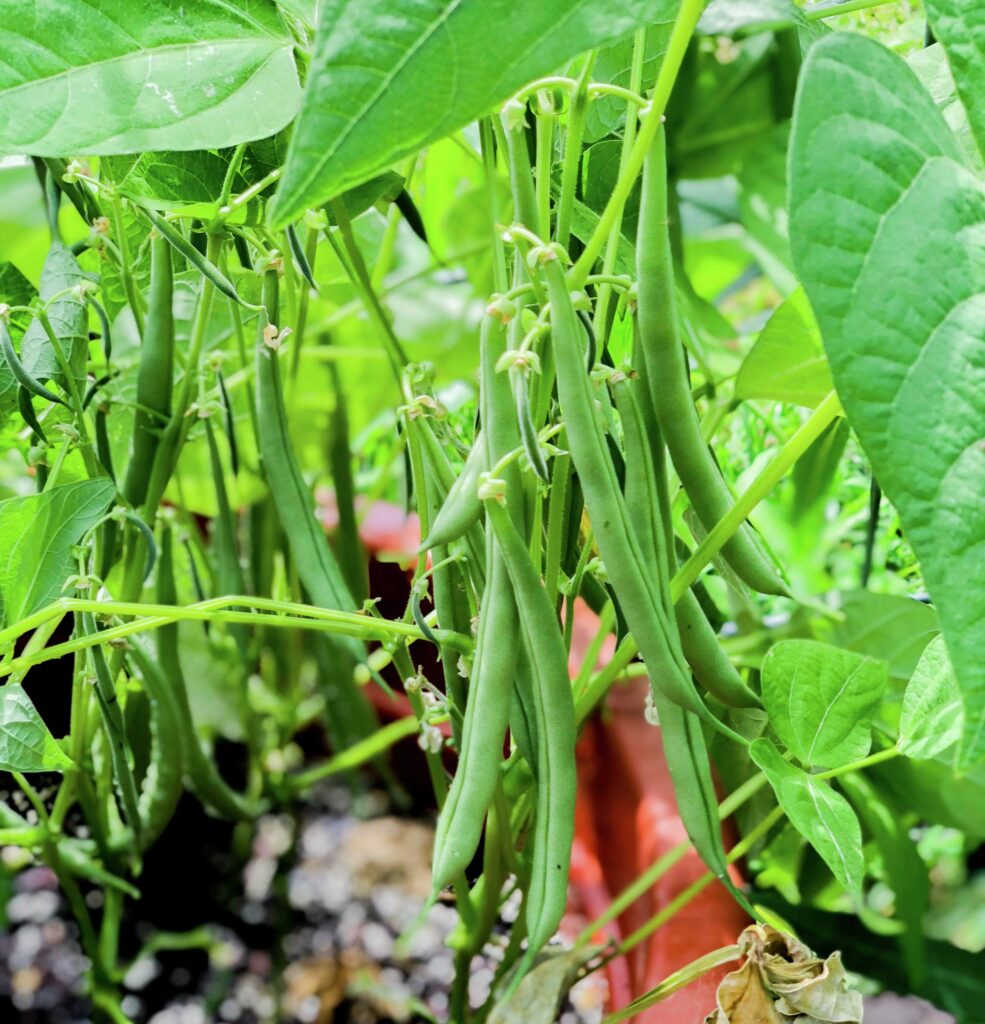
(256, 213)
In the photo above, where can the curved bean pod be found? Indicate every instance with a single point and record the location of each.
(488, 708)
(461, 509)
(554, 818)
(668, 379)
(155, 374)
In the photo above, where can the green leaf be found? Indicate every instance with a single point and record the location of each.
(15, 290)
(821, 700)
(613, 64)
(738, 18)
(931, 67)
(787, 362)
(819, 813)
(37, 534)
(26, 745)
(887, 626)
(888, 233)
(763, 208)
(959, 25)
(67, 316)
(539, 996)
(932, 715)
(386, 81)
(723, 112)
(114, 78)
(172, 181)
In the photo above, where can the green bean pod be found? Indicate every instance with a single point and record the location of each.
(554, 816)
(686, 754)
(103, 451)
(203, 777)
(29, 416)
(316, 564)
(676, 701)
(443, 476)
(112, 718)
(640, 600)
(488, 707)
(709, 662)
(668, 380)
(155, 374)
(199, 261)
(648, 510)
(528, 432)
(461, 509)
(640, 488)
(17, 368)
(162, 786)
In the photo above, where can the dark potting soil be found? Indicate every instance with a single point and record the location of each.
(302, 913)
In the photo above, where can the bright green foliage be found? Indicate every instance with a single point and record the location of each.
(159, 75)
(819, 812)
(37, 535)
(821, 700)
(390, 81)
(888, 230)
(787, 363)
(931, 719)
(26, 745)
(604, 185)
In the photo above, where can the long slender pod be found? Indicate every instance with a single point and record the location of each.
(654, 631)
(554, 817)
(461, 509)
(155, 374)
(707, 658)
(488, 708)
(316, 565)
(668, 378)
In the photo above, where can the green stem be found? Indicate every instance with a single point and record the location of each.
(355, 266)
(629, 136)
(673, 982)
(877, 758)
(287, 614)
(358, 754)
(680, 37)
(571, 166)
(830, 10)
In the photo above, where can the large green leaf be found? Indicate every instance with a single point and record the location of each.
(390, 76)
(37, 535)
(821, 700)
(787, 363)
(888, 234)
(118, 77)
(26, 745)
(818, 812)
(960, 26)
